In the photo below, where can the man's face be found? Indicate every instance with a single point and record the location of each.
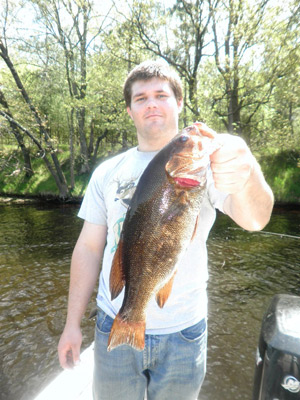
(154, 111)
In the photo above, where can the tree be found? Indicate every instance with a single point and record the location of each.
(281, 62)
(178, 35)
(251, 55)
(18, 135)
(47, 148)
(242, 21)
(73, 39)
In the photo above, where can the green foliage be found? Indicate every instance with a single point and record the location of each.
(240, 74)
(14, 181)
(106, 104)
(282, 172)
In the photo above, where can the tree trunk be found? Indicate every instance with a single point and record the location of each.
(83, 144)
(72, 158)
(91, 139)
(25, 152)
(63, 189)
(98, 141)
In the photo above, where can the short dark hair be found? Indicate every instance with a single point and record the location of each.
(152, 69)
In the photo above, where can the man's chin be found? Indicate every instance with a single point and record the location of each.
(161, 132)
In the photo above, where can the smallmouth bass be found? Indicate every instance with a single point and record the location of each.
(158, 227)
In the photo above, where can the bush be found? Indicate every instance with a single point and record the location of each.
(282, 172)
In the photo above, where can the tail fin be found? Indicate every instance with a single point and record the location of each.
(126, 332)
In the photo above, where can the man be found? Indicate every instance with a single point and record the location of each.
(173, 363)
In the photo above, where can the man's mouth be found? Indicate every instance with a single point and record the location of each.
(152, 116)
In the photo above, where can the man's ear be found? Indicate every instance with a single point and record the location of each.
(180, 105)
(129, 112)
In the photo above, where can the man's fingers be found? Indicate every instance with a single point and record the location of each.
(69, 348)
(76, 356)
(69, 359)
(65, 358)
(231, 148)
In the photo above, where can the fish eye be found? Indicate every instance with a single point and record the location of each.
(183, 138)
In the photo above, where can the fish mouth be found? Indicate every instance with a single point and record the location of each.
(187, 182)
(188, 171)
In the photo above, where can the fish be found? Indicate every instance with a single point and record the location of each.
(159, 225)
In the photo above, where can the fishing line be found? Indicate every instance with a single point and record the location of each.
(268, 233)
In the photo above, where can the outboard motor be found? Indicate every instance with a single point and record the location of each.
(277, 372)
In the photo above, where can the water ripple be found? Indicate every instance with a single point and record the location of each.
(246, 270)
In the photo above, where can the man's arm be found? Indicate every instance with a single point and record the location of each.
(236, 171)
(85, 267)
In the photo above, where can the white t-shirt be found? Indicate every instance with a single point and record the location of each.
(105, 203)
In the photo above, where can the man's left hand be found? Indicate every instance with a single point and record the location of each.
(232, 164)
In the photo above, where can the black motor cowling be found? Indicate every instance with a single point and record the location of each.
(277, 372)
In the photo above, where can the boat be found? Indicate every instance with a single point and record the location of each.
(277, 371)
(72, 384)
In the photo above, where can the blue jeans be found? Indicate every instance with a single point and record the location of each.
(171, 366)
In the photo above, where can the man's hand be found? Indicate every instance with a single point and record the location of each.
(85, 265)
(69, 347)
(232, 164)
(236, 172)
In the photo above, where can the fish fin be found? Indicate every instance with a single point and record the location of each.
(125, 332)
(163, 294)
(116, 278)
(195, 229)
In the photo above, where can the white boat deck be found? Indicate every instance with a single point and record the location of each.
(73, 384)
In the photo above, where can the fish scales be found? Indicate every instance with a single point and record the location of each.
(157, 229)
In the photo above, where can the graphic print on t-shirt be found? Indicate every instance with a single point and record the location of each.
(124, 194)
(125, 191)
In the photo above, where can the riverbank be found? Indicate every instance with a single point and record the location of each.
(55, 200)
(281, 169)
(39, 199)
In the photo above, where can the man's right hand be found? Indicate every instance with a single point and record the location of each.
(69, 347)
(85, 266)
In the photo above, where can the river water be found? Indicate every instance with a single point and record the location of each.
(246, 270)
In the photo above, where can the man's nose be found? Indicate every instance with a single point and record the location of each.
(151, 102)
